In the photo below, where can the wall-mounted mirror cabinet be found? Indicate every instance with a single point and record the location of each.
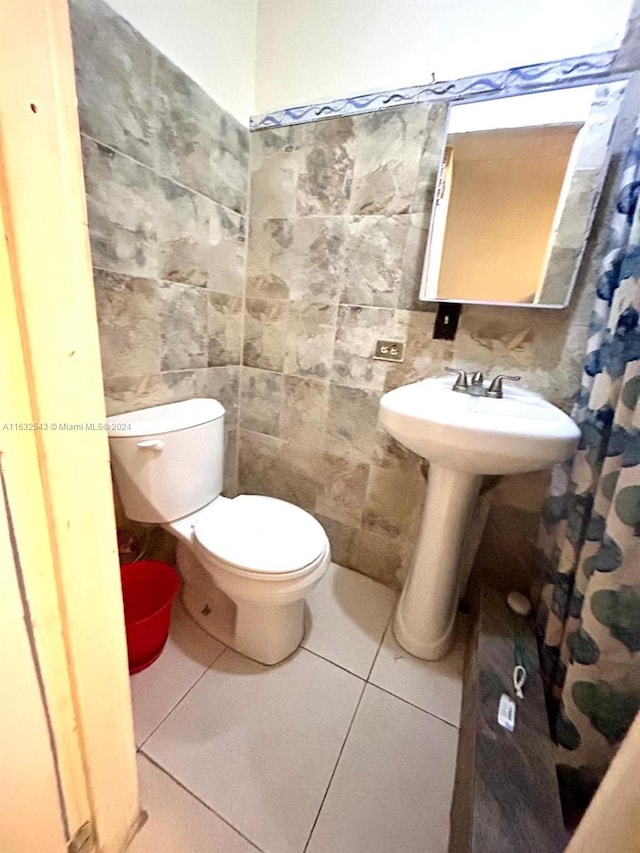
(518, 185)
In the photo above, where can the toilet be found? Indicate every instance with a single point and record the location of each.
(247, 562)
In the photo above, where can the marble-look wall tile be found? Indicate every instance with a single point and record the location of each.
(351, 422)
(122, 209)
(342, 490)
(224, 328)
(184, 225)
(393, 502)
(221, 384)
(194, 139)
(258, 463)
(578, 208)
(388, 453)
(310, 338)
(234, 138)
(305, 404)
(273, 467)
(326, 170)
(388, 149)
(343, 539)
(374, 249)
(229, 178)
(166, 175)
(142, 224)
(184, 326)
(570, 232)
(413, 258)
(340, 235)
(332, 233)
(560, 270)
(265, 333)
(260, 400)
(269, 258)
(432, 152)
(258, 455)
(139, 391)
(129, 323)
(423, 356)
(299, 475)
(382, 558)
(357, 332)
(228, 251)
(317, 261)
(275, 166)
(114, 66)
(539, 345)
(355, 475)
(135, 100)
(230, 470)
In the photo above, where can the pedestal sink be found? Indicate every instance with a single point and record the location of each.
(463, 437)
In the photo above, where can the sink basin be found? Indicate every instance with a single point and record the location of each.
(463, 437)
(480, 435)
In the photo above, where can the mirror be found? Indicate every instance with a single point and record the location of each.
(517, 190)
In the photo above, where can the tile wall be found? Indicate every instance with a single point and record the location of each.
(338, 210)
(166, 178)
(338, 217)
(338, 221)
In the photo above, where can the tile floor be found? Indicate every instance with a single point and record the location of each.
(349, 746)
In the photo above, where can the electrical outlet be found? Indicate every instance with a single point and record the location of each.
(389, 351)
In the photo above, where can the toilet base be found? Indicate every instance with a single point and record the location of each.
(265, 632)
(272, 634)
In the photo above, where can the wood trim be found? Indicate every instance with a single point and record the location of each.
(64, 506)
(33, 815)
(20, 462)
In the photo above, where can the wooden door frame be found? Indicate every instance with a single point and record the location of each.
(58, 480)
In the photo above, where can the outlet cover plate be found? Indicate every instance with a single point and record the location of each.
(389, 351)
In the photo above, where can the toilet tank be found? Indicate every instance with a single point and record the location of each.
(168, 460)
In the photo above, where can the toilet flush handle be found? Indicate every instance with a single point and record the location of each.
(152, 444)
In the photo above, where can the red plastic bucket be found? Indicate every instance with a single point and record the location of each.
(148, 590)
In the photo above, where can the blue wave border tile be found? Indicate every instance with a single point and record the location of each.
(574, 71)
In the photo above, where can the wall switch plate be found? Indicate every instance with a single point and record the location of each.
(447, 318)
(389, 351)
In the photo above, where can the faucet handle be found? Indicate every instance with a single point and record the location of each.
(495, 389)
(462, 382)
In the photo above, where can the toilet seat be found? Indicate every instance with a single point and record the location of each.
(257, 536)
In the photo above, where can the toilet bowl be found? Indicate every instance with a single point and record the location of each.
(246, 562)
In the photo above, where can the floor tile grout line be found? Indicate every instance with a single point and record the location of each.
(335, 767)
(413, 705)
(384, 634)
(339, 666)
(395, 695)
(199, 800)
(182, 698)
(173, 708)
(366, 680)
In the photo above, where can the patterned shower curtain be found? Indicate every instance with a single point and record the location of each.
(589, 613)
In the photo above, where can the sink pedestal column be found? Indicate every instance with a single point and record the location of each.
(424, 620)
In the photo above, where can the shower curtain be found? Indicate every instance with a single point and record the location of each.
(589, 613)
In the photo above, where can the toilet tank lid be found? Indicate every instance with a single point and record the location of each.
(167, 418)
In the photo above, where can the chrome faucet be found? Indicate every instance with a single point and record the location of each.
(462, 382)
(476, 387)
